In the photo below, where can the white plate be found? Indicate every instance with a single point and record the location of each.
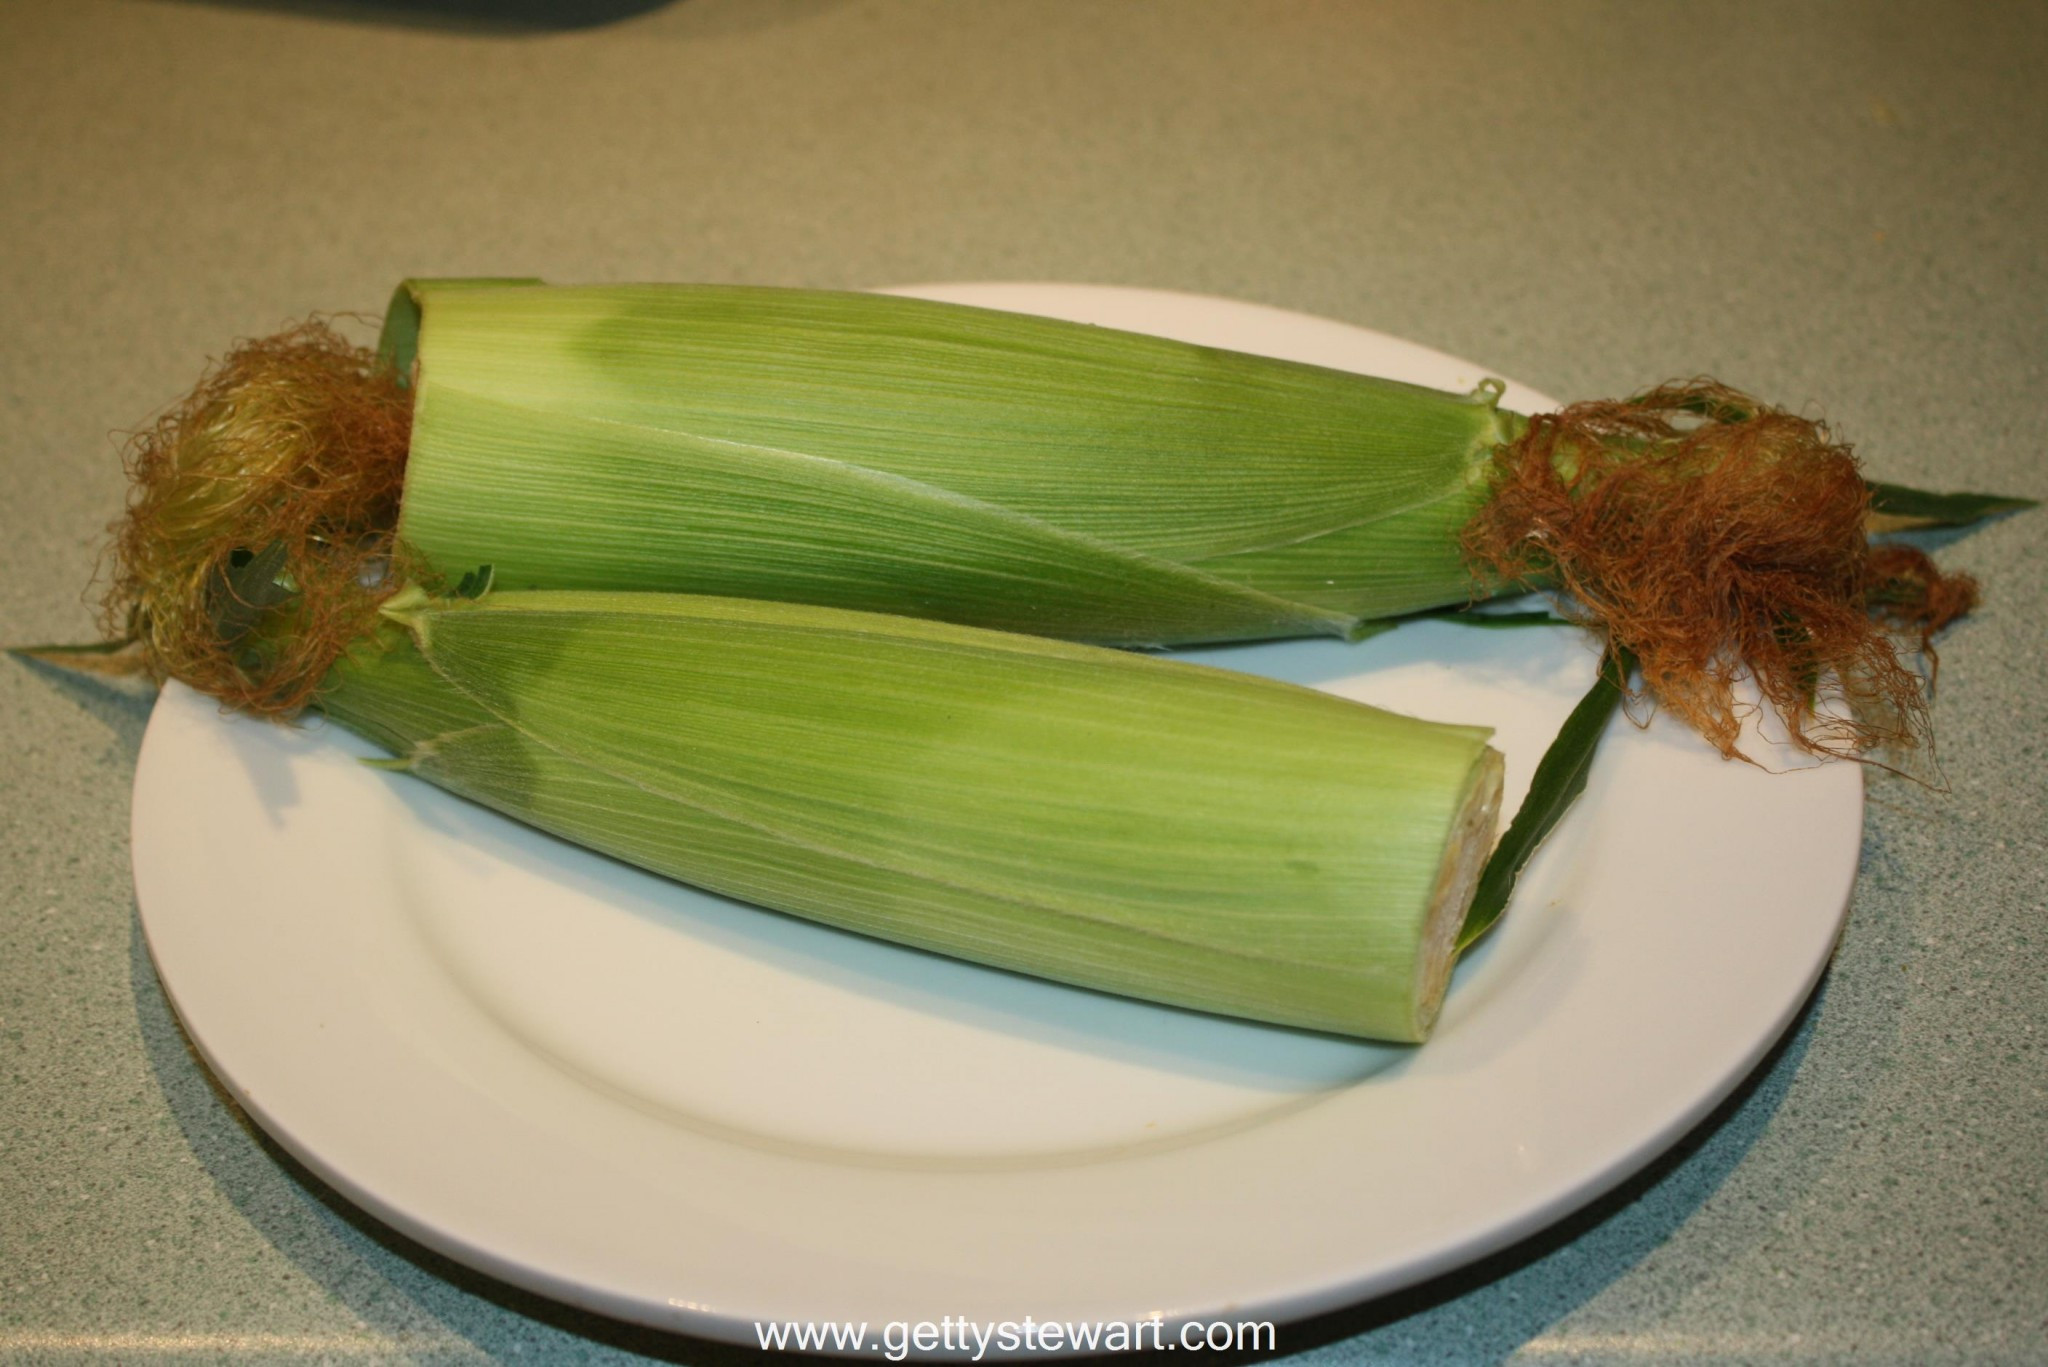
(643, 1100)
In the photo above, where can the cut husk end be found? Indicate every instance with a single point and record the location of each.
(1471, 841)
(1715, 536)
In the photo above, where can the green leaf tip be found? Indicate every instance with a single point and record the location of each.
(1896, 507)
(474, 584)
(1560, 778)
(104, 659)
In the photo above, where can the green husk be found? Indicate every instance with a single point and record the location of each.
(937, 460)
(966, 464)
(900, 455)
(1124, 822)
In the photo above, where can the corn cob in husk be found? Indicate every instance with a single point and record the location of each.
(1162, 830)
(898, 455)
(936, 460)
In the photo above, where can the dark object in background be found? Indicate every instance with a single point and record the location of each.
(517, 16)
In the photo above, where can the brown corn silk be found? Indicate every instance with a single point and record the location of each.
(259, 529)
(1712, 536)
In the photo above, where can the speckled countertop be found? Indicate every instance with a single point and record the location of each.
(1840, 205)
